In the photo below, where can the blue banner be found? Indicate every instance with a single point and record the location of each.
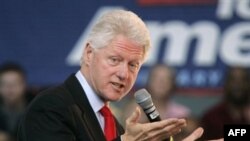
(199, 38)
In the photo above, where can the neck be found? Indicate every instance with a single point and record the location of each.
(85, 73)
(16, 106)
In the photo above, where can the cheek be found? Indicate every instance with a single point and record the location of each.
(98, 67)
(131, 80)
(102, 73)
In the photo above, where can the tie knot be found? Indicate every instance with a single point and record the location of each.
(105, 111)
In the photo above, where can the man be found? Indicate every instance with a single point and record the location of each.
(78, 109)
(234, 107)
(13, 97)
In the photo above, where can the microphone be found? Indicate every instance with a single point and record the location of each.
(143, 98)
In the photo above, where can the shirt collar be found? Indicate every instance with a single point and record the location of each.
(94, 100)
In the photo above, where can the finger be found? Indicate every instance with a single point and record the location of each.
(135, 116)
(160, 124)
(222, 139)
(195, 134)
(166, 127)
(172, 129)
(169, 134)
(182, 120)
(167, 131)
(151, 130)
(164, 138)
(176, 129)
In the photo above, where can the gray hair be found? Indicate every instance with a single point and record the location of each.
(119, 22)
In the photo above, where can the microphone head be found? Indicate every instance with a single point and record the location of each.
(143, 98)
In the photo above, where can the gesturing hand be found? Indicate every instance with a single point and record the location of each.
(155, 131)
(194, 135)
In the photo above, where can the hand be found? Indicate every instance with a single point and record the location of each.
(151, 131)
(222, 139)
(197, 133)
(194, 135)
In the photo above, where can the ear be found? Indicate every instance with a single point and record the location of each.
(88, 54)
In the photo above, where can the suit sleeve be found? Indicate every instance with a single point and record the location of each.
(47, 120)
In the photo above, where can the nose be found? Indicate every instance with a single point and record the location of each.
(123, 71)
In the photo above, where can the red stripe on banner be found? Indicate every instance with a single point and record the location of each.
(176, 2)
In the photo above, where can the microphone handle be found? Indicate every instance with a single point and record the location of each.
(155, 119)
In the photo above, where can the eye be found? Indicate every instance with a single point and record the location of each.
(113, 60)
(134, 66)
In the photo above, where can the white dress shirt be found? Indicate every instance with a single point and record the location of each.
(95, 101)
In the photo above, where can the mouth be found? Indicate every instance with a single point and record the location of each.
(118, 85)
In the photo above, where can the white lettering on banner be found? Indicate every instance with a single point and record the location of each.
(180, 35)
(232, 46)
(226, 9)
(234, 43)
(243, 8)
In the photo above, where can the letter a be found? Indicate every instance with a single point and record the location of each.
(231, 132)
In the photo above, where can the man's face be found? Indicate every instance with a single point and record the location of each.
(238, 90)
(112, 70)
(12, 86)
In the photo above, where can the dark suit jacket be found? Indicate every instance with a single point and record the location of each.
(62, 113)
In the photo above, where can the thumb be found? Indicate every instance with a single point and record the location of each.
(195, 135)
(135, 116)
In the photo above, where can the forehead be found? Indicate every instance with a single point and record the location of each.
(10, 75)
(122, 45)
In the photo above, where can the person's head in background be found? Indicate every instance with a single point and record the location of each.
(115, 50)
(161, 82)
(12, 84)
(161, 85)
(4, 136)
(237, 87)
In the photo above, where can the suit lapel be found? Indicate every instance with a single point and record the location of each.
(90, 121)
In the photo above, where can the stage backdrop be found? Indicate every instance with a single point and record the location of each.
(199, 38)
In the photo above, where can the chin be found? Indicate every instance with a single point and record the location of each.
(114, 97)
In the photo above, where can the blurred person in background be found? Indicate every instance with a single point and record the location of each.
(234, 108)
(12, 95)
(161, 86)
(4, 136)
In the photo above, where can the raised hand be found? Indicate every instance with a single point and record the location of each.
(155, 131)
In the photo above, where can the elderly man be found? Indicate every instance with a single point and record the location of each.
(78, 109)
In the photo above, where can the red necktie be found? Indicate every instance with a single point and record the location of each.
(109, 126)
